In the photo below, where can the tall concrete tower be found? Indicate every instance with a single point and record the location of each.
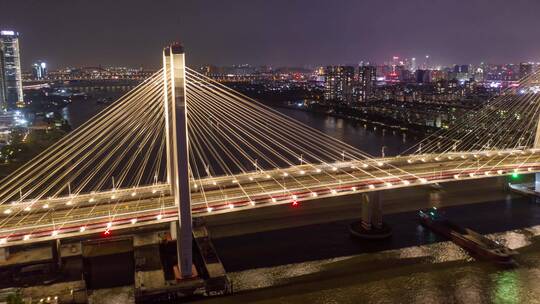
(174, 66)
(11, 95)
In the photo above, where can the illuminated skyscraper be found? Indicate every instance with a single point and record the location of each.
(39, 70)
(366, 80)
(427, 63)
(11, 94)
(461, 72)
(339, 83)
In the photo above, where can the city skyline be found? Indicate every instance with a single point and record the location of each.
(298, 151)
(300, 33)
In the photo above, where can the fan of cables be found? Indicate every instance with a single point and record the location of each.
(508, 121)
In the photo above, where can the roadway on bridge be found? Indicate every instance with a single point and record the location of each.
(252, 190)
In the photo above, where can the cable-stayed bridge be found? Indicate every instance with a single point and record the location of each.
(181, 143)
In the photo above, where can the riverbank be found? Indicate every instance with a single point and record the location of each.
(435, 273)
(320, 263)
(358, 115)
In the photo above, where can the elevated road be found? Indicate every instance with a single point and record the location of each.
(44, 219)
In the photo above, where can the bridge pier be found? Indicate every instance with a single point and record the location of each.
(371, 225)
(56, 254)
(435, 197)
(371, 211)
(4, 254)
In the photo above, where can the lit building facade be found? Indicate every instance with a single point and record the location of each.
(339, 83)
(39, 70)
(366, 79)
(525, 69)
(11, 93)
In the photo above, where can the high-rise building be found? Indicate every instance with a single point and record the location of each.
(339, 83)
(395, 61)
(435, 75)
(39, 70)
(413, 65)
(11, 94)
(479, 74)
(367, 75)
(423, 76)
(427, 63)
(461, 72)
(525, 69)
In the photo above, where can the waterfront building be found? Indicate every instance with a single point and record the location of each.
(339, 83)
(366, 79)
(11, 93)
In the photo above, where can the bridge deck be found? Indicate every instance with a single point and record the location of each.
(62, 217)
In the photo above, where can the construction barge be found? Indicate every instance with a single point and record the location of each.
(478, 245)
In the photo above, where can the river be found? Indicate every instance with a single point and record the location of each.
(322, 264)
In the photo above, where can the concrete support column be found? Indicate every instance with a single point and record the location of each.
(537, 182)
(502, 182)
(178, 163)
(366, 212)
(56, 254)
(376, 206)
(371, 210)
(371, 226)
(434, 198)
(168, 116)
(4, 254)
(537, 135)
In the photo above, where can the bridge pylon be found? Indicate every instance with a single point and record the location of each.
(174, 69)
(536, 144)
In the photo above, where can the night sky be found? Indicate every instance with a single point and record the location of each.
(273, 32)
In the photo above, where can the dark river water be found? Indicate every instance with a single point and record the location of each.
(322, 264)
(368, 138)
